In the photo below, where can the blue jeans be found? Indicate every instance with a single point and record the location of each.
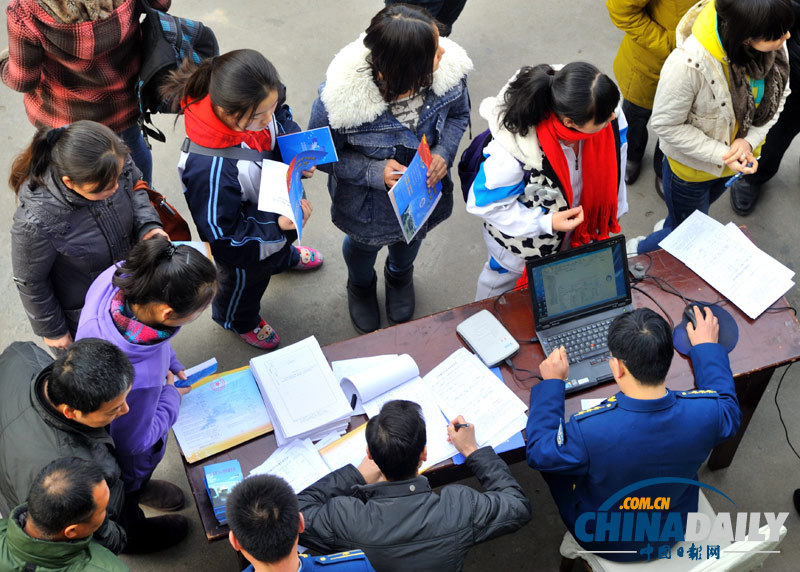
(139, 151)
(682, 198)
(360, 259)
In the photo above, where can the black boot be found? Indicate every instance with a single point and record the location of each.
(362, 302)
(632, 170)
(744, 197)
(399, 295)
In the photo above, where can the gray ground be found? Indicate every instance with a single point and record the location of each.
(301, 37)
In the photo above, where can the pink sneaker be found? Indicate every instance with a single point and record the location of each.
(310, 259)
(262, 337)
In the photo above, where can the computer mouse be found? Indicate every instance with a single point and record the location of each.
(728, 330)
(688, 311)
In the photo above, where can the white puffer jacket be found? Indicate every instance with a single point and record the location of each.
(693, 112)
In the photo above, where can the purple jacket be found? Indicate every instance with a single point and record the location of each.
(141, 435)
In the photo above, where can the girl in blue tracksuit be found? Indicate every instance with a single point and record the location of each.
(232, 102)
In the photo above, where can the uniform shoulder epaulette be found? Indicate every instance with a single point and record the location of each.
(348, 556)
(697, 393)
(607, 405)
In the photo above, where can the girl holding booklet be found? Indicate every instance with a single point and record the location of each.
(234, 104)
(552, 177)
(381, 94)
(139, 306)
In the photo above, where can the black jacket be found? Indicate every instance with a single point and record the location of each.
(32, 434)
(60, 242)
(404, 525)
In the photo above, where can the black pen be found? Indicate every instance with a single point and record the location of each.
(458, 426)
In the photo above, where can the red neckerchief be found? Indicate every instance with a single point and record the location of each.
(599, 172)
(205, 128)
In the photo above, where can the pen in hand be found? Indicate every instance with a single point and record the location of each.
(458, 426)
(738, 175)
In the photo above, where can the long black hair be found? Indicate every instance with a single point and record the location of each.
(158, 271)
(402, 47)
(740, 20)
(85, 151)
(237, 82)
(578, 91)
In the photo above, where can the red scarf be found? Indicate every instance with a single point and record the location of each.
(599, 172)
(205, 128)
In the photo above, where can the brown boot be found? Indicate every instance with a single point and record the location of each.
(163, 496)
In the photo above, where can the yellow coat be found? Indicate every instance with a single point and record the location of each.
(649, 27)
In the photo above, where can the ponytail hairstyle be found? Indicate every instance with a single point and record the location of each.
(158, 271)
(578, 91)
(237, 82)
(85, 151)
(402, 48)
(740, 20)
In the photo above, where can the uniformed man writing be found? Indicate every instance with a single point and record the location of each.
(645, 431)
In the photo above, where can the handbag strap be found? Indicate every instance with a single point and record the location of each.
(237, 153)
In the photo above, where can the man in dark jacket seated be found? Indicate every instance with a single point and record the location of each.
(52, 409)
(53, 530)
(390, 512)
(265, 522)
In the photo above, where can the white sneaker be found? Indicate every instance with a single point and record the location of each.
(632, 246)
(659, 225)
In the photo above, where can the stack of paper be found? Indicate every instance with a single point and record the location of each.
(298, 463)
(220, 479)
(302, 396)
(725, 258)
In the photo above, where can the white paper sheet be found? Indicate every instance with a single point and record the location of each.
(273, 193)
(726, 259)
(299, 463)
(463, 385)
(344, 369)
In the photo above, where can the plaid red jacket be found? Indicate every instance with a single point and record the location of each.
(68, 72)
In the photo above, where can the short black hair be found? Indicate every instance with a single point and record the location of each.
(180, 276)
(264, 515)
(642, 340)
(396, 438)
(90, 373)
(740, 20)
(62, 494)
(578, 91)
(402, 47)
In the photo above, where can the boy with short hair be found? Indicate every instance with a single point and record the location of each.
(644, 431)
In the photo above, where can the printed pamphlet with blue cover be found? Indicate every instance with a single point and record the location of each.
(220, 479)
(413, 201)
(319, 139)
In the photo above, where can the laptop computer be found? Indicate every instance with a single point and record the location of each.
(575, 295)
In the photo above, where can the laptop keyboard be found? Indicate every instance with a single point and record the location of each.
(583, 343)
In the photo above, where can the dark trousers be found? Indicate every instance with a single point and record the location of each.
(780, 136)
(445, 11)
(237, 305)
(637, 118)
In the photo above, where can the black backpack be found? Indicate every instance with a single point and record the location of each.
(166, 41)
(471, 159)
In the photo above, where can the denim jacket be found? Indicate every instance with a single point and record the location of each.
(366, 134)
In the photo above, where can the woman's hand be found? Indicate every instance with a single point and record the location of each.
(171, 381)
(392, 172)
(305, 205)
(61, 343)
(437, 170)
(155, 232)
(740, 157)
(285, 223)
(309, 173)
(568, 220)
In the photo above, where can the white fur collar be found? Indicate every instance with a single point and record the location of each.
(351, 97)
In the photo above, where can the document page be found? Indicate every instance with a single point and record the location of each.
(463, 385)
(215, 416)
(298, 463)
(730, 262)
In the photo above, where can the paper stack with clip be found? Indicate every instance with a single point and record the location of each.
(302, 396)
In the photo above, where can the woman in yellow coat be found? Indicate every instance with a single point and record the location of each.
(649, 27)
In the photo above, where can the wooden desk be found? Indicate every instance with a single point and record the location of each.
(764, 344)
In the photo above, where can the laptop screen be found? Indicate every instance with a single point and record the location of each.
(578, 282)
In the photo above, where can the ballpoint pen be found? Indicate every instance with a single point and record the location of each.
(738, 175)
